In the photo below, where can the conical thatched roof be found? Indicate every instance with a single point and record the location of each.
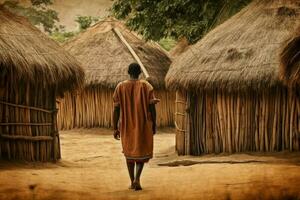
(29, 54)
(243, 52)
(290, 61)
(106, 57)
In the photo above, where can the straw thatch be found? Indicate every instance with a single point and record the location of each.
(31, 55)
(106, 58)
(34, 70)
(290, 61)
(103, 51)
(240, 53)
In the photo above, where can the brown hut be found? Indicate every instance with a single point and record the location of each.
(290, 61)
(230, 97)
(33, 70)
(106, 50)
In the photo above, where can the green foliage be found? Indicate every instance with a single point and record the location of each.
(167, 43)
(85, 21)
(156, 19)
(41, 2)
(38, 13)
(61, 35)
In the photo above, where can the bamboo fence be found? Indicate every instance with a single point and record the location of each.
(93, 107)
(28, 129)
(265, 121)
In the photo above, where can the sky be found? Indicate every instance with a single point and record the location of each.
(69, 9)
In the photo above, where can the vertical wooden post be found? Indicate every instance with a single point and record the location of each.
(54, 131)
(180, 114)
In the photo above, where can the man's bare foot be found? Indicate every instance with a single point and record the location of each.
(132, 186)
(137, 186)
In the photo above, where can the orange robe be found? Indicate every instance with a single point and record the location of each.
(134, 98)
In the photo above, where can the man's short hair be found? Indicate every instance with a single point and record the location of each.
(134, 69)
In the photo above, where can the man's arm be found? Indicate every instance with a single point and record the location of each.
(116, 116)
(153, 116)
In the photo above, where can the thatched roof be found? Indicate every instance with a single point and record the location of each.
(241, 53)
(30, 55)
(290, 61)
(106, 58)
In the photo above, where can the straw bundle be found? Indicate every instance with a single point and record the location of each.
(235, 98)
(106, 50)
(33, 70)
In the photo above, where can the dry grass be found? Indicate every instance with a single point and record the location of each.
(29, 54)
(106, 58)
(243, 52)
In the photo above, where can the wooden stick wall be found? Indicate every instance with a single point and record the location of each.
(180, 122)
(93, 107)
(27, 129)
(245, 121)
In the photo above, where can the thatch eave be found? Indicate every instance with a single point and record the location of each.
(30, 55)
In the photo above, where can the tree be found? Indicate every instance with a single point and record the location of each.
(85, 21)
(38, 13)
(156, 19)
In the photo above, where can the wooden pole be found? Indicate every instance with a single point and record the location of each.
(54, 125)
(119, 34)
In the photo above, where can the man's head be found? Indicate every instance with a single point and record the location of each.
(134, 70)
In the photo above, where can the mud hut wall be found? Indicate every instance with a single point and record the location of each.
(265, 121)
(93, 107)
(27, 122)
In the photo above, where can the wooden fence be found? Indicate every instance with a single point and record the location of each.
(28, 128)
(93, 107)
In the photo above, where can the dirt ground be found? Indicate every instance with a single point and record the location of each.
(93, 167)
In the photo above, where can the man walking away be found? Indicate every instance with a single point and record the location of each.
(134, 100)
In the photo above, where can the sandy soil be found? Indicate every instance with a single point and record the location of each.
(93, 167)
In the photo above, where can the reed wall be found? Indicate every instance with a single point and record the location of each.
(28, 129)
(220, 121)
(93, 107)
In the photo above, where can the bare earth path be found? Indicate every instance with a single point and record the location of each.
(93, 167)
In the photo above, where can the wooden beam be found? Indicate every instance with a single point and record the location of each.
(22, 137)
(26, 107)
(136, 57)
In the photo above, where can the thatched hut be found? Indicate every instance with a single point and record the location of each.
(230, 97)
(290, 61)
(105, 51)
(34, 70)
